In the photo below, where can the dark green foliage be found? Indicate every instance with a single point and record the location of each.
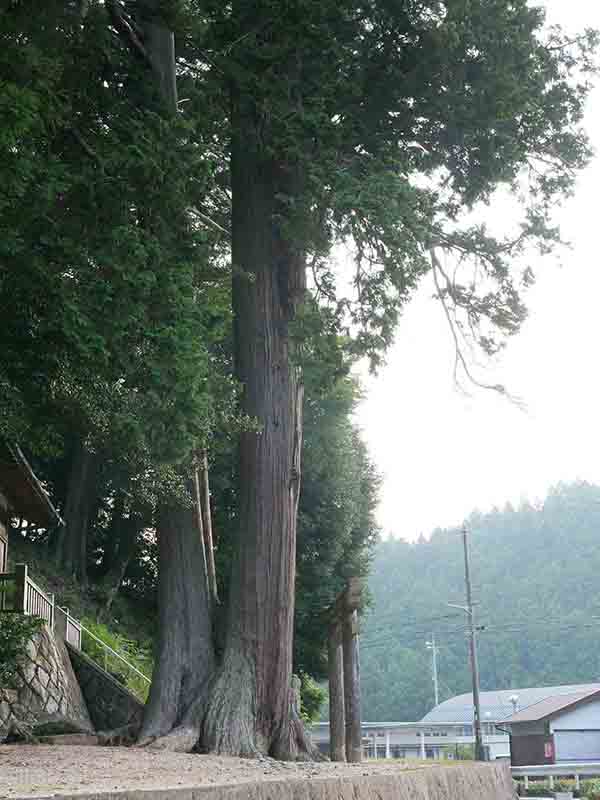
(534, 574)
(15, 633)
(109, 315)
(393, 121)
(336, 523)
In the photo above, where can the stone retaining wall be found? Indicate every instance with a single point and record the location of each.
(110, 704)
(45, 686)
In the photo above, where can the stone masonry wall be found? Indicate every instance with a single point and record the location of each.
(110, 704)
(46, 685)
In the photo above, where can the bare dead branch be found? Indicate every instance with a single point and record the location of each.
(126, 30)
(209, 221)
(459, 358)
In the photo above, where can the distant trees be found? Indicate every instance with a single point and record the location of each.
(535, 571)
(177, 178)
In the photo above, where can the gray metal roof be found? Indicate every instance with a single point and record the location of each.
(551, 706)
(496, 706)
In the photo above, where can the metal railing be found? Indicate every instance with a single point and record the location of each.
(575, 770)
(67, 627)
(114, 663)
(20, 594)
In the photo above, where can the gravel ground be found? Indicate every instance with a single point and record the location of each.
(42, 770)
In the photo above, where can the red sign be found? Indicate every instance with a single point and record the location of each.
(548, 750)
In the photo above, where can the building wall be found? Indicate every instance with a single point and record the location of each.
(405, 741)
(584, 717)
(535, 748)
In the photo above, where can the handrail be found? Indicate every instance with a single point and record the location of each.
(562, 768)
(31, 599)
(575, 769)
(114, 653)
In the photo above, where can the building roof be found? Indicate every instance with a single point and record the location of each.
(551, 706)
(496, 706)
(25, 494)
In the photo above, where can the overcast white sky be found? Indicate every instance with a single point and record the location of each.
(442, 454)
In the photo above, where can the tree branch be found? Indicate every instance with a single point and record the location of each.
(209, 221)
(126, 30)
(459, 357)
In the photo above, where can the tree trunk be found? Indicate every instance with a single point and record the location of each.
(251, 705)
(204, 493)
(71, 550)
(185, 659)
(120, 549)
(337, 718)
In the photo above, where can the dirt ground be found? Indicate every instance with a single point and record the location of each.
(41, 770)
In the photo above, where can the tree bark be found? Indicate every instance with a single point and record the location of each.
(352, 687)
(71, 548)
(207, 526)
(184, 660)
(337, 721)
(123, 534)
(251, 706)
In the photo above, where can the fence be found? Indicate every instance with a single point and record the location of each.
(20, 594)
(576, 770)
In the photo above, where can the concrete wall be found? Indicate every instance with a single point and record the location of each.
(110, 704)
(45, 685)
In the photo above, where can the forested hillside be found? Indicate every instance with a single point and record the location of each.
(535, 573)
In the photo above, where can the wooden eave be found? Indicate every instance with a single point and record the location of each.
(26, 496)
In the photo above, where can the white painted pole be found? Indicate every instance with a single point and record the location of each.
(387, 745)
(423, 753)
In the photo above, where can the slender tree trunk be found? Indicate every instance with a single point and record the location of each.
(251, 704)
(204, 489)
(71, 551)
(123, 540)
(185, 659)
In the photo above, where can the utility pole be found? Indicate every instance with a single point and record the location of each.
(433, 647)
(468, 609)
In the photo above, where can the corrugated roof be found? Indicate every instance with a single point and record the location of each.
(550, 706)
(496, 705)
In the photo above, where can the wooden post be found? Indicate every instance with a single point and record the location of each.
(200, 523)
(21, 588)
(337, 717)
(352, 686)
(207, 525)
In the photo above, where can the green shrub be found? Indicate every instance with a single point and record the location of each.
(589, 789)
(311, 698)
(137, 655)
(16, 630)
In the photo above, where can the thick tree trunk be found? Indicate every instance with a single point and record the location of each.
(251, 705)
(185, 659)
(71, 549)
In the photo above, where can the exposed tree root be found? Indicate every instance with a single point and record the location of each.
(293, 742)
(125, 735)
(182, 739)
